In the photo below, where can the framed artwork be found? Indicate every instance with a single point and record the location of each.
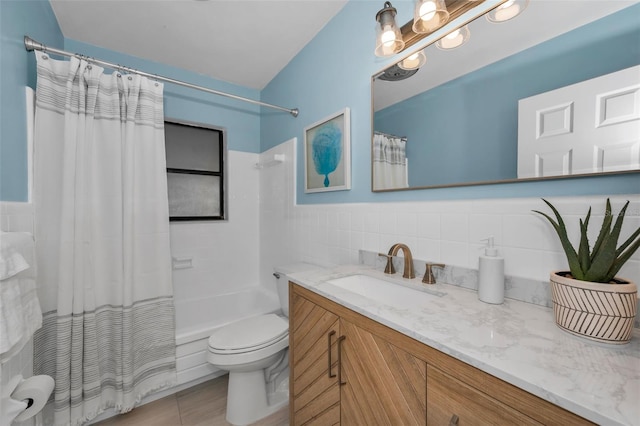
(327, 154)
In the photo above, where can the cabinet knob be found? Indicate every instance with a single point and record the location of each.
(454, 420)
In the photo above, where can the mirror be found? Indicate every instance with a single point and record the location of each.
(456, 117)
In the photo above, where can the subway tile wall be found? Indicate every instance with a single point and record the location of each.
(449, 232)
(224, 254)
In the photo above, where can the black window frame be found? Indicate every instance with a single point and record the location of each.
(222, 155)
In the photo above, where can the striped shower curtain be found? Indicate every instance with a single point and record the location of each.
(102, 240)
(390, 168)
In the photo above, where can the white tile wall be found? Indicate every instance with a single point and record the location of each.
(225, 254)
(440, 231)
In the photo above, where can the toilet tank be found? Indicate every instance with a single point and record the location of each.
(282, 281)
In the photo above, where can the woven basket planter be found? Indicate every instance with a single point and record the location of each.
(600, 312)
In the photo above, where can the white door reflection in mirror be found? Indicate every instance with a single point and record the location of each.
(589, 127)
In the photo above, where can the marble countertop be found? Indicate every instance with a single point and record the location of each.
(517, 342)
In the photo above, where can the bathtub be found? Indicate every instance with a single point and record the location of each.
(196, 319)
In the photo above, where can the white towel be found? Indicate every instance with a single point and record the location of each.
(20, 314)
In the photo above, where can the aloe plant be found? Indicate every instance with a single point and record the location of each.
(603, 262)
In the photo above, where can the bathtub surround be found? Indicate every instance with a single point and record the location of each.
(102, 236)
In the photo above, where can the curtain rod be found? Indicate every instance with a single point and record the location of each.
(30, 44)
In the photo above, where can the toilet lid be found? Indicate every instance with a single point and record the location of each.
(249, 333)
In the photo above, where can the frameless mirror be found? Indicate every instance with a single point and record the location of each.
(567, 71)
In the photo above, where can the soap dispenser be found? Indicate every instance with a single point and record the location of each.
(491, 275)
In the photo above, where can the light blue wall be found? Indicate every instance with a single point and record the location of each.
(241, 119)
(476, 99)
(334, 71)
(17, 70)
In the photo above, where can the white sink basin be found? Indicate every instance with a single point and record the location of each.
(386, 292)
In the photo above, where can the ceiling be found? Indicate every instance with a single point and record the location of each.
(245, 42)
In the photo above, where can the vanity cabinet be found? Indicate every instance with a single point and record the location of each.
(381, 383)
(349, 369)
(453, 401)
(313, 347)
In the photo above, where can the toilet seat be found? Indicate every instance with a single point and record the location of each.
(248, 335)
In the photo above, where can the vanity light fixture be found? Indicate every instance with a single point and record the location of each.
(413, 62)
(429, 15)
(454, 39)
(507, 10)
(388, 37)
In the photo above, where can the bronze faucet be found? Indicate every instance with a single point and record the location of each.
(408, 260)
(428, 274)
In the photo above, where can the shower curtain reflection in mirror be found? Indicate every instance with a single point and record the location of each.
(102, 239)
(390, 164)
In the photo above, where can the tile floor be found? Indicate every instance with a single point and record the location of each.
(201, 405)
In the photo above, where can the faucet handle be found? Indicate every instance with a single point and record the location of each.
(428, 274)
(388, 269)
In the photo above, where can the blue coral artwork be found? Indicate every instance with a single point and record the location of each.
(327, 152)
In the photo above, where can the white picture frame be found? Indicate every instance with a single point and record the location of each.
(327, 154)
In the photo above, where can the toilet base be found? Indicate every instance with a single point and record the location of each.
(247, 400)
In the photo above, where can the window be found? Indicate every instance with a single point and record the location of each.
(195, 171)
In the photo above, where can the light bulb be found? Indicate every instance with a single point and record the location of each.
(455, 38)
(507, 11)
(388, 36)
(413, 62)
(427, 11)
(507, 4)
(453, 34)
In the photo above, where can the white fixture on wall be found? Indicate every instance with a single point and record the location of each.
(277, 159)
(388, 37)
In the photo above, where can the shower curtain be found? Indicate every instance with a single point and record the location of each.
(390, 168)
(102, 240)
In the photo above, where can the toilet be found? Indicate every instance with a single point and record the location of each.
(255, 353)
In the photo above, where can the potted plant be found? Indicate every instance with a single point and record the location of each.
(589, 300)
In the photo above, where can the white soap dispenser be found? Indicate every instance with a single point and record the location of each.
(491, 275)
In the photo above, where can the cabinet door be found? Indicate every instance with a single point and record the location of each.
(314, 390)
(383, 384)
(452, 402)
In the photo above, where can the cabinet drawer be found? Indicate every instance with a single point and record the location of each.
(449, 398)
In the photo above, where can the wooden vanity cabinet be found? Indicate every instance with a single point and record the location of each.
(381, 383)
(454, 402)
(313, 388)
(351, 370)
